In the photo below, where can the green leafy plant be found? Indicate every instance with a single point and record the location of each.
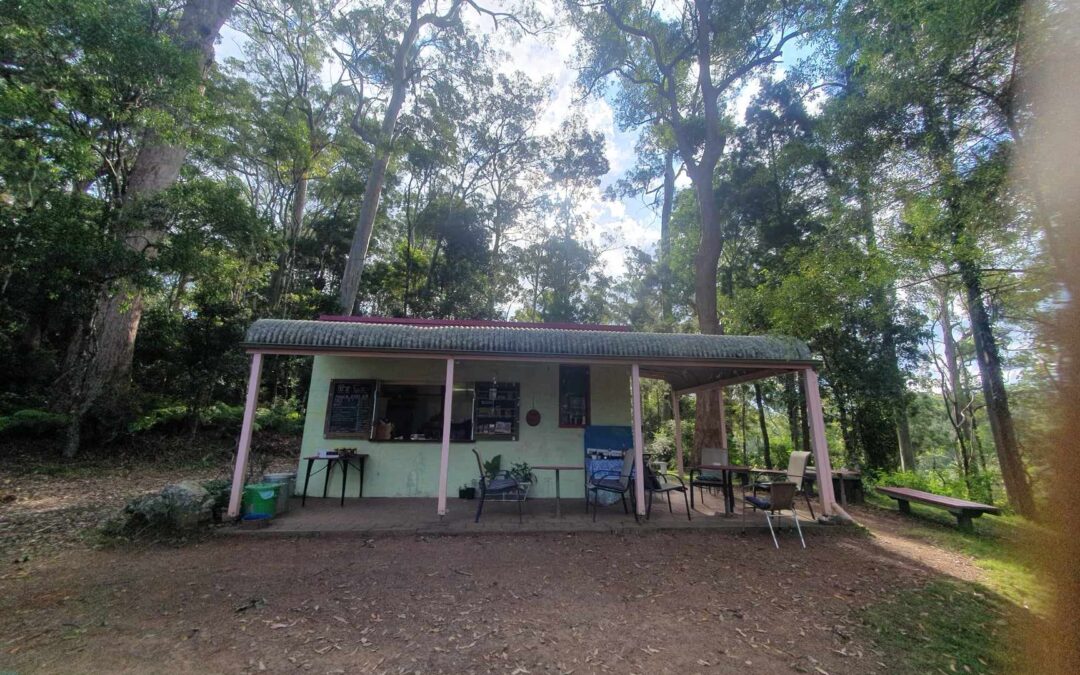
(522, 472)
(31, 422)
(491, 467)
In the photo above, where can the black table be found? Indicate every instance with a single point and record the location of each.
(727, 473)
(338, 460)
(847, 485)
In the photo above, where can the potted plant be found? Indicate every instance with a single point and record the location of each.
(523, 474)
(491, 466)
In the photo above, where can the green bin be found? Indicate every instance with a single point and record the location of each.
(260, 499)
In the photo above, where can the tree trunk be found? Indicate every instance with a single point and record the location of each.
(766, 450)
(369, 208)
(365, 223)
(791, 400)
(1017, 484)
(851, 449)
(706, 259)
(903, 437)
(99, 355)
(665, 236)
(742, 424)
(708, 425)
(279, 281)
(804, 413)
(959, 403)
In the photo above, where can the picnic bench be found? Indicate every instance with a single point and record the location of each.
(963, 509)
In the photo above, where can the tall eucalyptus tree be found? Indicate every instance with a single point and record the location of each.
(681, 65)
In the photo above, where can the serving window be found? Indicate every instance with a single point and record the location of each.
(413, 412)
(406, 411)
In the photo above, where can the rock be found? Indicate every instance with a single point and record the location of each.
(181, 506)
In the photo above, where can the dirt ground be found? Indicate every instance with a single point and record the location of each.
(655, 602)
(678, 602)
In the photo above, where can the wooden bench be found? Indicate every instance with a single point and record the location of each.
(963, 509)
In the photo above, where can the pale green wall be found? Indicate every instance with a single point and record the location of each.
(412, 469)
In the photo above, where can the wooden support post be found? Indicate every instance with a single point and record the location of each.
(723, 422)
(447, 410)
(675, 399)
(819, 444)
(245, 435)
(639, 442)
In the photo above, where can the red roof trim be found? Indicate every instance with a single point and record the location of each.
(472, 323)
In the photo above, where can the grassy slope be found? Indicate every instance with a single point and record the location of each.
(952, 626)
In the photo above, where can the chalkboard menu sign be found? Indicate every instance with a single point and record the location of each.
(351, 408)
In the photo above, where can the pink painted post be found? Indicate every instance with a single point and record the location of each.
(447, 410)
(245, 435)
(819, 444)
(639, 442)
(675, 398)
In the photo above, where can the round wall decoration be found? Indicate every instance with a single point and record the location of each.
(532, 418)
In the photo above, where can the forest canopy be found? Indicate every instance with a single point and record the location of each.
(842, 172)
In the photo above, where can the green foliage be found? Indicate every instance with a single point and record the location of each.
(281, 417)
(849, 223)
(521, 471)
(491, 466)
(171, 415)
(947, 482)
(32, 423)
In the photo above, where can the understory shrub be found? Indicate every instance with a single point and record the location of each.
(32, 422)
(166, 416)
(282, 417)
(947, 482)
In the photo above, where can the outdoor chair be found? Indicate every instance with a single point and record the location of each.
(795, 473)
(665, 484)
(502, 487)
(713, 480)
(781, 498)
(614, 482)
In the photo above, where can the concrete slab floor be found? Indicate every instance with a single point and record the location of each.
(370, 516)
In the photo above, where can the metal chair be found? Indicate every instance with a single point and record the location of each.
(662, 483)
(795, 473)
(503, 487)
(709, 479)
(615, 482)
(781, 498)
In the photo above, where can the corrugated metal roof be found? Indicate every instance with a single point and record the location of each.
(453, 340)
